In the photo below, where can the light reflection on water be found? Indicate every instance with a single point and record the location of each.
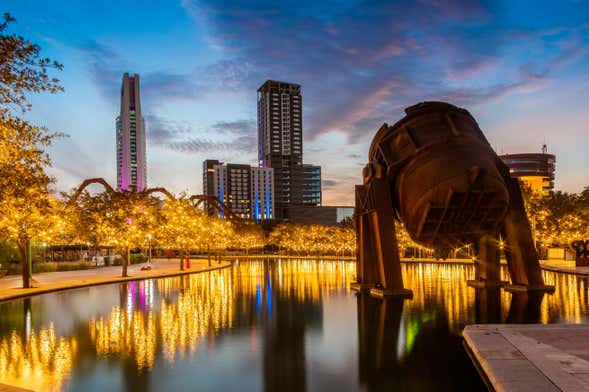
(280, 324)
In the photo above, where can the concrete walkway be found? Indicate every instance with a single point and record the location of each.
(10, 286)
(566, 266)
(534, 358)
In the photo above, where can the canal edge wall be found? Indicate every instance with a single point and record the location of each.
(24, 293)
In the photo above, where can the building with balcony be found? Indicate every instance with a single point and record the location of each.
(248, 191)
(535, 171)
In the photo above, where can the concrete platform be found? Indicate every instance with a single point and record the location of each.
(531, 357)
(568, 267)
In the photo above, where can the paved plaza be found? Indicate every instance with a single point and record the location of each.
(10, 286)
(567, 266)
(534, 358)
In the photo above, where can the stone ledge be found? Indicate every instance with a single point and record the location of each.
(531, 357)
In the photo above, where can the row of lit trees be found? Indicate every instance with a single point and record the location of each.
(558, 218)
(127, 221)
(313, 239)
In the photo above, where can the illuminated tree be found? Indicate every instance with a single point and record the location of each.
(24, 186)
(183, 227)
(219, 233)
(121, 220)
(25, 201)
(248, 236)
(91, 215)
(132, 218)
(281, 236)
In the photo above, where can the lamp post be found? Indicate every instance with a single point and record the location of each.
(149, 252)
(44, 252)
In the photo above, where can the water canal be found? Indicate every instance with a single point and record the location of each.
(290, 325)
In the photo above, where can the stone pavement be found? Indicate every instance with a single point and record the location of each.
(567, 266)
(10, 286)
(534, 357)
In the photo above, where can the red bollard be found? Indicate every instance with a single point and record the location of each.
(187, 262)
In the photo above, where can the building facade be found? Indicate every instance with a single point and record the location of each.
(319, 215)
(247, 190)
(280, 140)
(280, 147)
(535, 171)
(312, 185)
(131, 143)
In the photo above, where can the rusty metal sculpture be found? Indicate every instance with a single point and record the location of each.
(435, 171)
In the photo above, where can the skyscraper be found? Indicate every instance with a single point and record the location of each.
(280, 140)
(131, 165)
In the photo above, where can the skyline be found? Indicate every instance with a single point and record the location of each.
(515, 68)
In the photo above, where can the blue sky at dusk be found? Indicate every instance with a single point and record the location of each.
(521, 68)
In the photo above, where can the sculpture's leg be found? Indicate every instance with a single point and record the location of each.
(366, 271)
(487, 267)
(520, 252)
(387, 258)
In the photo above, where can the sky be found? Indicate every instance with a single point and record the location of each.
(520, 67)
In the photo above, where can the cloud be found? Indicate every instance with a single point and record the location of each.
(220, 138)
(106, 67)
(329, 183)
(360, 63)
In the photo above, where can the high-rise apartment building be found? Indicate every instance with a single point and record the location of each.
(280, 140)
(131, 161)
(247, 190)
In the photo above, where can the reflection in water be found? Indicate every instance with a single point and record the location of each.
(569, 302)
(525, 308)
(288, 300)
(257, 319)
(203, 306)
(487, 305)
(41, 361)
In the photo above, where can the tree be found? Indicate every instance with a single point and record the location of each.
(248, 236)
(25, 199)
(131, 218)
(22, 70)
(183, 226)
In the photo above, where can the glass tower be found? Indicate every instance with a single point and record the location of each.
(131, 162)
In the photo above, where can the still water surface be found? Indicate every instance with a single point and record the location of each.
(265, 325)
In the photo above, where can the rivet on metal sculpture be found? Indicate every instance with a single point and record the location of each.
(435, 171)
